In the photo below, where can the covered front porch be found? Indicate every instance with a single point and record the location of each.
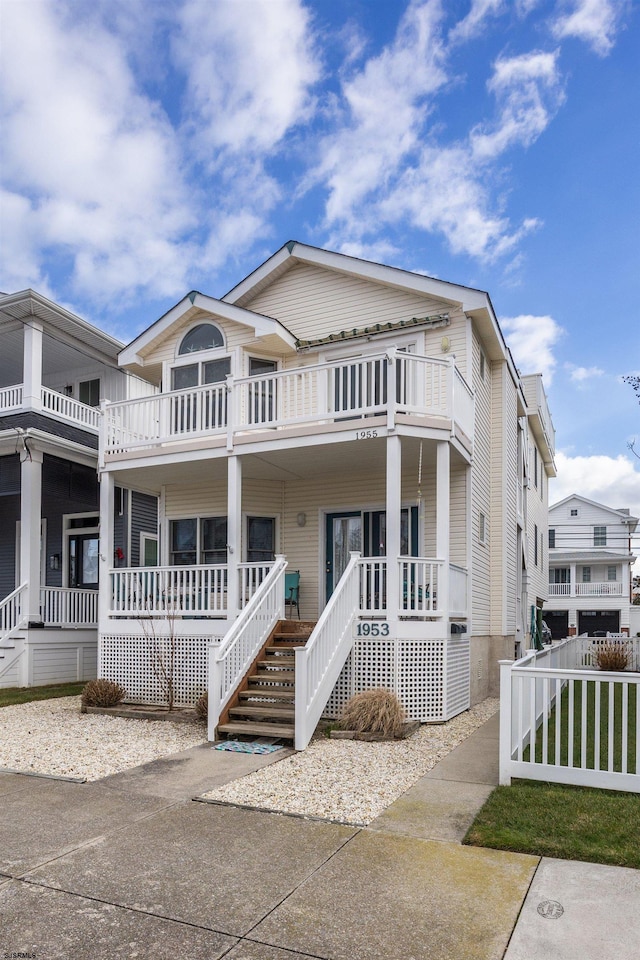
(391, 513)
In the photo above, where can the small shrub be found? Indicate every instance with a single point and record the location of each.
(374, 711)
(102, 693)
(612, 656)
(202, 706)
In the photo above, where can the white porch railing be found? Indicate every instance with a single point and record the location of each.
(383, 384)
(11, 612)
(231, 660)
(53, 404)
(419, 586)
(319, 662)
(563, 724)
(178, 591)
(69, 409)
(11, 398)
(68, 607)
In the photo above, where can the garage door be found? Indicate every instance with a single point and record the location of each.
(590, 621)
(558, 623)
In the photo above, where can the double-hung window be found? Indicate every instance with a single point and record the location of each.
(198, 540)
(600, 536)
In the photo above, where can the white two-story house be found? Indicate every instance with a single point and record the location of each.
(590, 561)
(54, 370)
(360, 427)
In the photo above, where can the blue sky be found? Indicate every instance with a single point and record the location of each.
(154, 147)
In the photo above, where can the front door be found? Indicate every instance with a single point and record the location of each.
(83, 560)
(366, 532)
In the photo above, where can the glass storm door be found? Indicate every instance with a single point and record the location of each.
(344, 534)
(83, 560)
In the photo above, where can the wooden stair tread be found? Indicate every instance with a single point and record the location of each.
(278, 693)
(276, 675)
(277, 711)
(281, 730)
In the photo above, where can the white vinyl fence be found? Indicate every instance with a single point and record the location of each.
(563, 722)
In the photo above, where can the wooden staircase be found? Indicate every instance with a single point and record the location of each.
(264, 703)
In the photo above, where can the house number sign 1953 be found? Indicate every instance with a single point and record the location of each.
(372, 628)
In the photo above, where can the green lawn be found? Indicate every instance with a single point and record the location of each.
(551, 820)
(12, 695)
(589, 688)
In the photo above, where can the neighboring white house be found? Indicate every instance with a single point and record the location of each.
(590, 563)
(328, 405)
(54, 369)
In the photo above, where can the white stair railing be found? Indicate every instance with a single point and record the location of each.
(319, 662)
(11, 612)
(230, 661)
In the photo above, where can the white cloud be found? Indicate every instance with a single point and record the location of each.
(474, 22)
(581, 374)
(594, 21)
(95, 160)
(531, 340)
(249, 67)
(385, 106)
(528, 91)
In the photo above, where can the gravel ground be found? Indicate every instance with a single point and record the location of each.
(346, 780)
(53, 737)
(350, 780)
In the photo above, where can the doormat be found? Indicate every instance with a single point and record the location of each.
(237, 746)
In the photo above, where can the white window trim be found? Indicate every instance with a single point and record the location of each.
(198, 323)
(148, 537)
(68, 532)
(482, 528)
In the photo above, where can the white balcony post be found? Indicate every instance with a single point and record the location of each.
(32, 366)
(505, 722)
(234, 535)
(443, 509)
(107, 487)
(391, 399)
(573, 584)
(394, 508)
(30, 523)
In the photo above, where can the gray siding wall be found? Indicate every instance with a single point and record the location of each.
(144, 519)
(9, 514)
(66, 488)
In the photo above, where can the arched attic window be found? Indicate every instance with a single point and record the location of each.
(206, 336)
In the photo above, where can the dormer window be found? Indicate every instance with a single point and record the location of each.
(206, 336)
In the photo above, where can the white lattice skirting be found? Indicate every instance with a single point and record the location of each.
(430, 677)
(130, 662)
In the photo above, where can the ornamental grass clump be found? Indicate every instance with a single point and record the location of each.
(202, 706)
(102, 693)
(612, 656)
(374, 711)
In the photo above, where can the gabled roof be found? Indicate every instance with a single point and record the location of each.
(133, 354)
(622, 515)
(475, 303)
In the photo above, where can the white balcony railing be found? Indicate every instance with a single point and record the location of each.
(52, 404)
(386, 384)
(605, 588)
(69, 607)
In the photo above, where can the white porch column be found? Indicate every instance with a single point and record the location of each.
(394, 508)
(443, 509)
(107, 486)
(573, 589)
(234, 534)
(30, 523)
(32, 366)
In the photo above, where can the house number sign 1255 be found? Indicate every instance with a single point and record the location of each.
(372, 628)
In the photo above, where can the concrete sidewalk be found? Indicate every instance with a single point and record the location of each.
(130, 867)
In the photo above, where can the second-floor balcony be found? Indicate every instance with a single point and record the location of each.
(385, 386)
(51, 404)
(605, 588)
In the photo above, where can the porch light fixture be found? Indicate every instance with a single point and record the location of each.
(301, 519)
